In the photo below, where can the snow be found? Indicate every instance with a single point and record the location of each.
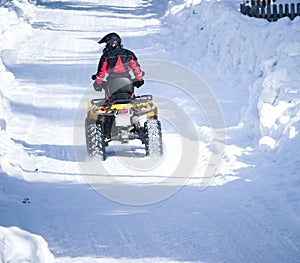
(27, 247)
(227, 187)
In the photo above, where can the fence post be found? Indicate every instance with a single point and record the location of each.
(298, 9)
(251, 11)
(245, 9)
(275, 14)
(286, 10)
(292, 11)
(280, 11)
(242, 8)
(263, 12)
(256, 11)
(269, 18)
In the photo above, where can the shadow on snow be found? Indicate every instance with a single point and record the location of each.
(59, 152)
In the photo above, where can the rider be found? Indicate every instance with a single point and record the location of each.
(116, 63)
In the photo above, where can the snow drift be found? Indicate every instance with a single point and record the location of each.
(17, 245)
(251, 66)
(256, 59)
(14, 29)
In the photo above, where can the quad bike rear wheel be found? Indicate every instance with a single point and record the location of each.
(90, 130)
(95, 139)
(100, 141)
(153, 138)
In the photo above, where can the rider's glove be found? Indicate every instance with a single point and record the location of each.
(97, 87)
(139, 83)
(97, 79)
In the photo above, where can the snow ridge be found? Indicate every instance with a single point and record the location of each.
(260, 59)
(253, 68)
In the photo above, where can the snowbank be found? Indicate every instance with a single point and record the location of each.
(251, 59)
(278, 103)
(252, 67)
(14, 28)
(17, 245)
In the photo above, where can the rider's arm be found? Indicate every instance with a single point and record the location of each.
(135, 66)
(102, 70)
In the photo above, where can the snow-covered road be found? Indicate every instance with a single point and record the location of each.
(248, 214)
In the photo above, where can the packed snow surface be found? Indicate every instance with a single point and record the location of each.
(237, 200)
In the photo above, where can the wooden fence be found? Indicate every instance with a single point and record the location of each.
(271, 12)
(259, 3)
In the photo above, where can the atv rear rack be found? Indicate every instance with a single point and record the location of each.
(135, 101)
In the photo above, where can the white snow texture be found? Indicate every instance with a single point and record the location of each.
(248, 211)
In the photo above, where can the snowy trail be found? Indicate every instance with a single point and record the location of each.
(56, 61)
(208, 228)
(52, 64)
(228, 223)
(67, 215)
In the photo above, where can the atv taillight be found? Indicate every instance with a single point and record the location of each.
(123, 111)
(103, 108)
(142, 106)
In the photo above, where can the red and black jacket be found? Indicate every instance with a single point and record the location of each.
(117, 63)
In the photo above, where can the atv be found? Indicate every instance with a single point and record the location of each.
(122, 119)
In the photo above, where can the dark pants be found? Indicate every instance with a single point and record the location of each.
(119, 88)
(108, 122)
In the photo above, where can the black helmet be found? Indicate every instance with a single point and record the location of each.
(112, 40)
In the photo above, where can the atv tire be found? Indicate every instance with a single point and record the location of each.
(95, 144)
(90, 131)
(153, 138)
(100, 141)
